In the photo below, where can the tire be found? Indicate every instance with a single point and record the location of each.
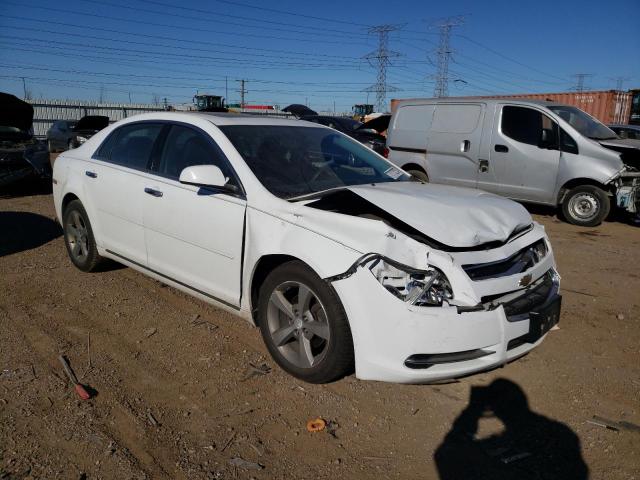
(420, 175)
(79, 239)
(316, 354)
(586, 206)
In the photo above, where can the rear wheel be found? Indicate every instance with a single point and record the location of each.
(420, 175)
(304, 325)
(586, 205)
(79, 239)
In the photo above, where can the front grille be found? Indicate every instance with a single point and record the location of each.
(530, 299)
(519, 262)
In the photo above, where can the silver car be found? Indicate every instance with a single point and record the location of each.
(531, 151)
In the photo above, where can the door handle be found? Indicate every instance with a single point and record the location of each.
(483, 167)
(465, 145)
(153, 191)
(91, 174)
(501, 148)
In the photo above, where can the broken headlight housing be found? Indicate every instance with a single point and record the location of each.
(423, 288)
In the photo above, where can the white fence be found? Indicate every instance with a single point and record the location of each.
(48, 111)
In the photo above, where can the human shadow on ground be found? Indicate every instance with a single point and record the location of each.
(20, 231)
(531, 446)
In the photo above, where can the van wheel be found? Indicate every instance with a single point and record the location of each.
(79, 239)
(420, 175)
(304, 325)
(586, 206)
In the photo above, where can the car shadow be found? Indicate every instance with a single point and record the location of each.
(530, 445)
(27, 187)
(20, 231)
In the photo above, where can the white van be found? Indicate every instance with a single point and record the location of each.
(531, 151)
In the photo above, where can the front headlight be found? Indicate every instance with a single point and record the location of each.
(424, 288)
(81, 140)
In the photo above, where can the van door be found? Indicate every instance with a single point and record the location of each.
(453, 143)
(524, 155)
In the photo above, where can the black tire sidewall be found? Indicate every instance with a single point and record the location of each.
(93, 258)
(419, 174)
(604, 206)
(338, 360)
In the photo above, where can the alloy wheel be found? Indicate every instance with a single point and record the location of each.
(77, 236)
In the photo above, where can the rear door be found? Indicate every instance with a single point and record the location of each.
(524, 155)
(115, 179)
(194, 235)
(453, 143)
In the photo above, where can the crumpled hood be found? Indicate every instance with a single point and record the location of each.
(454, 216)
(15, 113)
(92, 123)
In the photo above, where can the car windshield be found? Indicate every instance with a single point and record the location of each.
(295, 161)
(583, 123)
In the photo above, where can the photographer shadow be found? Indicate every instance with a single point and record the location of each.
(531, 446)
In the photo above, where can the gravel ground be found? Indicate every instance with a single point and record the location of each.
(184, 390)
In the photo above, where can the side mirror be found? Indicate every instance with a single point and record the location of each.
(204, 176)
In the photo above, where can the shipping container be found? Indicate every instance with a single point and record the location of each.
(608, 106)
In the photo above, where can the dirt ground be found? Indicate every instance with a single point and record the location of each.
(177, 396)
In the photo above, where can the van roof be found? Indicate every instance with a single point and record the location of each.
(488, 101)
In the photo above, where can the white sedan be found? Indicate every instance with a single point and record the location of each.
(340, 258)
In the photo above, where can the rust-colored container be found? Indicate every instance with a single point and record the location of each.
(608, 106)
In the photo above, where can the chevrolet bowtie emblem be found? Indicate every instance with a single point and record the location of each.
(526, 280)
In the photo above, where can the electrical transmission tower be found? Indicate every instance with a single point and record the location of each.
(243, 92)
(619, 81)
(580, 78)
(444, 52)
(381, 59)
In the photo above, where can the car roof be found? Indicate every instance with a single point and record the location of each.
(222, 118)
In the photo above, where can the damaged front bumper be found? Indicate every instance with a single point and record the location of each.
(398, 342)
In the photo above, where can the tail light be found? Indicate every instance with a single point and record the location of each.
(385, 152)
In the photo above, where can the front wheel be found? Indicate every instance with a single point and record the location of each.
(79, 239)
(586, 206)
(420, 175)
(304, 325)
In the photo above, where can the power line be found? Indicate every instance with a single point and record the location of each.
(444, 54)
(381, 57)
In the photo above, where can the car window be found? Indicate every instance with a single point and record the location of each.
(567, 143)
(131, 146)
(527, 125)
(185, 147)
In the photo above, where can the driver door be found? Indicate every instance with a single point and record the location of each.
(194, 235)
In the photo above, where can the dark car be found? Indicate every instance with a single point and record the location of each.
(353, 128)
(626, 131)
(68, 134)
(21, 154)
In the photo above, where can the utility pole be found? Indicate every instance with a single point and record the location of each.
(24, 88)
(444, 52)
(381, 59)
(226, 90)
(580, 78)
(243, 92)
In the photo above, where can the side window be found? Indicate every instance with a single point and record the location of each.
(567, 143)
(133, 145)
(529, 126)
(185, 147)
(104, 150)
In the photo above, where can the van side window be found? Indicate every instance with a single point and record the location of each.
(528, 126)
(567, 144)
(134, 144)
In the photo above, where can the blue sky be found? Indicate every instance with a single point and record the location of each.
(307, 52)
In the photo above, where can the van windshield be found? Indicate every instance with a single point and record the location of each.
(298, 161)
(585, 124)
